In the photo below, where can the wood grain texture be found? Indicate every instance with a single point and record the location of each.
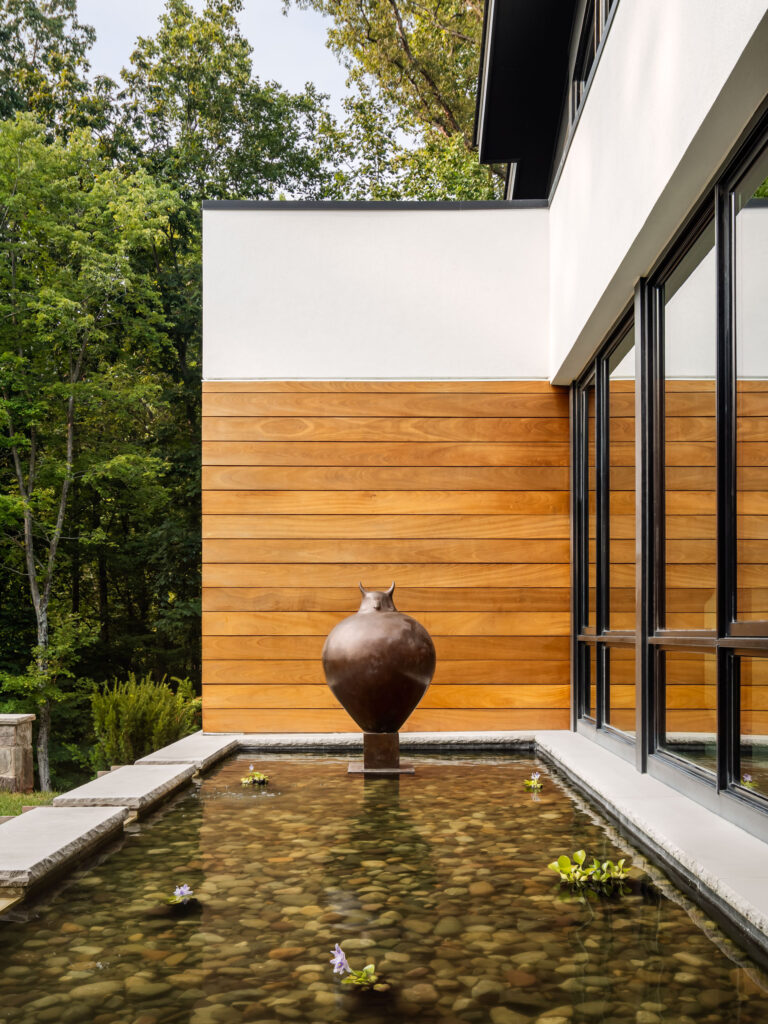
(390, 552)
(390, 503)
(372, 453)
(235, 672)
(477, 624)
(467, 696)
(401, 478)
(447, 574)
(223, 527)
(339, 599)
(399, 405)
(366, 428)
(458, 492)
(511, 649)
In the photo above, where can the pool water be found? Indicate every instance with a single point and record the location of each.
(440, 879)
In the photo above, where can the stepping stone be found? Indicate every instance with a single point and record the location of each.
(198, 749)
(137, 787)
(39, 844)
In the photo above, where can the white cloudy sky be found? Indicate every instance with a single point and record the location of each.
(290, 50)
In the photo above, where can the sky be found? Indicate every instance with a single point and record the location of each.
(288, 49)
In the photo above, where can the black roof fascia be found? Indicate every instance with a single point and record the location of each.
(522, 86)
(371, 205)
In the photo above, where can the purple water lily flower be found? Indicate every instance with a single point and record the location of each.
(339, 961)
(535, 776)
(747, 778)
(182, 892)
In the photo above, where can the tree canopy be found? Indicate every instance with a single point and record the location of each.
(100, 302)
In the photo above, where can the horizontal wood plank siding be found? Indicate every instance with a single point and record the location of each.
(456, 490)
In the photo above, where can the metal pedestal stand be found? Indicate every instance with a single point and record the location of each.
(381, 756)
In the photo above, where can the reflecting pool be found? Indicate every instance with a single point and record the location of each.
(440, 879)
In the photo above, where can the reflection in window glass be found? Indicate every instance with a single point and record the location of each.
(620, 689)
(690, 318)
(689, 702)
(753, 727)
(591, 507)
(588, 680)
(621, 490)
(751, 260)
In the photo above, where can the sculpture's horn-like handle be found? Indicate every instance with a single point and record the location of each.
(391, 590)
(363, 591)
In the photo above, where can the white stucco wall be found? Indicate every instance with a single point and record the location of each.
(676, 85)
(374, 293)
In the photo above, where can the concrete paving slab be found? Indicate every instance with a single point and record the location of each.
(200, 749)
(137, 787)
(37, 845)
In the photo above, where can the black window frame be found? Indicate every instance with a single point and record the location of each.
(732, 639)
(593, 642)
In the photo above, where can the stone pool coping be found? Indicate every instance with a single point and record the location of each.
(721, 866)
(41, 843)
(137, 787)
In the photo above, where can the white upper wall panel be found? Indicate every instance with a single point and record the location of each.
(391, 292)
(677, 82)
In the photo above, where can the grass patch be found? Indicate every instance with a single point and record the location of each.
(11, 803)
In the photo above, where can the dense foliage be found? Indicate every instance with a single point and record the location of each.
(413, 68)
(100, 300)
(134, 717)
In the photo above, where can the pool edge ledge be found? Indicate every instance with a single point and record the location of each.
(709, 858)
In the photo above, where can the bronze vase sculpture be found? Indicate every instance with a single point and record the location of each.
(378, 664)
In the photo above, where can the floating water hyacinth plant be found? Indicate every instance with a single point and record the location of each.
(605, 877)
(254, 778)
(367, 979)
(748, 782)
(181, 894)
(534, 784)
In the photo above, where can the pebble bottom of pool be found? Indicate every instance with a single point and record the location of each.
(440, 879)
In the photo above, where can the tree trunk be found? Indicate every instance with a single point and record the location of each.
(44, 707)
(43, 736)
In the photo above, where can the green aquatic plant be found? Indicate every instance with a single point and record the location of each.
(367, 979)
(254, 778)
(534, 784)
(598, 876)
(181, 894)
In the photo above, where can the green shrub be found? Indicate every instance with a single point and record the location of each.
(135, 717)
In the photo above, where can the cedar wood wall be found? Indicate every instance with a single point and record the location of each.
(457, 491)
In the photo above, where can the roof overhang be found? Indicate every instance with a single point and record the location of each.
(521, 89)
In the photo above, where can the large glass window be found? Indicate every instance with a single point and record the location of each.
(752, 678)
(606, 503)
(621, 481)
(672, 500)
(688, 300)
(688, 691)
(621, 688)
(591, 506)
(751, 333)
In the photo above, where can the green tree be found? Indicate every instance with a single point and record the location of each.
(422, 57)
(414, 71)
(200, 119)
(76, 317)
(44, 66)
